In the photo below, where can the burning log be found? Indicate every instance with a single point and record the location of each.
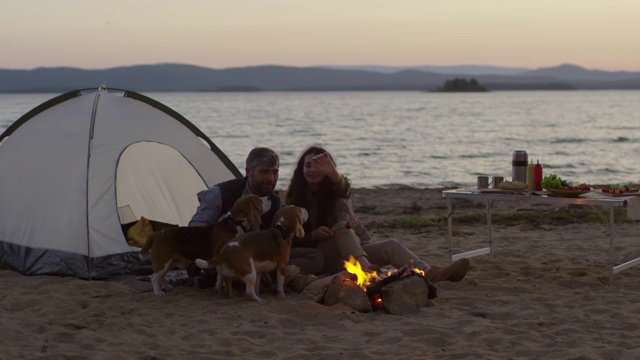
(404, 272)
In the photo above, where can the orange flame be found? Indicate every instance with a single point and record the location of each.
(364, 278)
(376, 302)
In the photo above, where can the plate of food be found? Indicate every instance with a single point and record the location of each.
(555, 186)
(567, 192)
(619, 190)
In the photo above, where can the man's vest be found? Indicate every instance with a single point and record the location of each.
(231, 190)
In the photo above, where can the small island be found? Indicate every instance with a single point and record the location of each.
(462, 85)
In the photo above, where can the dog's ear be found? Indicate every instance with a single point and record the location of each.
(248, 207)
(296, 228)
(239, 209)
(256, 212)
(302, 217)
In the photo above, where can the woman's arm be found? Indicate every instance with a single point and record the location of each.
(343, 187)
(344, 212)
(341, 184)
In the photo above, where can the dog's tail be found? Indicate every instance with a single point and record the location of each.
(204, 264)
(144, 252)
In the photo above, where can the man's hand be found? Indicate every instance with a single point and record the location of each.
(321, 233)
(351, 223)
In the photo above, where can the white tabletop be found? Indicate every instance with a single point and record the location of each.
(591, 198)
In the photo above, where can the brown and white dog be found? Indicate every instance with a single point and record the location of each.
(178, 246)
(248, 255)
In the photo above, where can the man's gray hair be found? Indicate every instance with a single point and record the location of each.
(262, 156)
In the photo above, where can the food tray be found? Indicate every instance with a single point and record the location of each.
(628, 193)
(566, 193)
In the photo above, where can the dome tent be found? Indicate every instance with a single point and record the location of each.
(77, 167)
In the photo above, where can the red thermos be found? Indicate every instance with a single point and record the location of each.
(537, 176)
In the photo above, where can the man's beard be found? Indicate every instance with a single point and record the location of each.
(265, 189)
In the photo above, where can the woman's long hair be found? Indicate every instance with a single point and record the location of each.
(324, 200)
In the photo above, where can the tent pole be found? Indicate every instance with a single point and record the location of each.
(94, 111)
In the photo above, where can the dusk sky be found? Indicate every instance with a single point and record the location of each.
(98, 34)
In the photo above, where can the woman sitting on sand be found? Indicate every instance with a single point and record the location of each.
(317, 186)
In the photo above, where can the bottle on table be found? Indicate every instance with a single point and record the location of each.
(530, 170)
(537, 176)
(519, 166)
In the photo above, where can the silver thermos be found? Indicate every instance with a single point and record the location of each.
(519, 164)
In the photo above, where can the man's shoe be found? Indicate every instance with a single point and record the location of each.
(454, 272)
(300, 282)
(291, 272)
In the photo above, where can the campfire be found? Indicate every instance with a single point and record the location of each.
(373, 283)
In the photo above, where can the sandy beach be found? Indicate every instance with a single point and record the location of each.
(544, 294)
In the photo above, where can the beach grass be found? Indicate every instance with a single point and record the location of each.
(558, 216)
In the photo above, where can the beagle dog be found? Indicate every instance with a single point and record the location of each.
(248, 255)
(178, 246)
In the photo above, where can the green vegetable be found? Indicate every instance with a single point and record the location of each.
(553, 181)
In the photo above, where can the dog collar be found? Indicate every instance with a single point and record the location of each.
(240, 223)
(283, 232)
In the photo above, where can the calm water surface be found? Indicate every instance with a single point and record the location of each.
(417, 139)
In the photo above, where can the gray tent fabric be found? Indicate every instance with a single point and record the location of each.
(76, 167)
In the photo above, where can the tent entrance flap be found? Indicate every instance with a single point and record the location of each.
(155, 181)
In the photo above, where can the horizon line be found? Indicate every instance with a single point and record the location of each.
(316, 66)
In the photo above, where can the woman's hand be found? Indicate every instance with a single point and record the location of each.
(326, 166)
(321, 233)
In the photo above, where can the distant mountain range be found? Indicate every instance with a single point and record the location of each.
(453, 69)
(181, 77)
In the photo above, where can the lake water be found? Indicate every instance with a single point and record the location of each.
(417, 139)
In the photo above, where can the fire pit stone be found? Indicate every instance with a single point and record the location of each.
(405, 296)
(343, 290)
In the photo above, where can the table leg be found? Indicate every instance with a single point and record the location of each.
(613, 268)
(490, 225)
(611, 250)
(450, 233)
(472, 253)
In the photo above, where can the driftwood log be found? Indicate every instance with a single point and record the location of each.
(403, 272)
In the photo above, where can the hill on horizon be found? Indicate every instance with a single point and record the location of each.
(470, 70)
(184, 77)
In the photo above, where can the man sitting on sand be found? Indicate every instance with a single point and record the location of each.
(261, 175)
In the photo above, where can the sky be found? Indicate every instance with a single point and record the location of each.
(100, 34)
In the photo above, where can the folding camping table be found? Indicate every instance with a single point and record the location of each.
(590, 199)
